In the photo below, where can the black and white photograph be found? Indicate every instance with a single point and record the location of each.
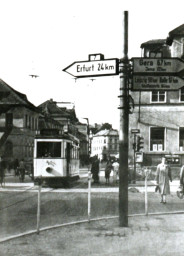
(91, 128)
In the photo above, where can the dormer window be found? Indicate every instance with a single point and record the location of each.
(155, 54)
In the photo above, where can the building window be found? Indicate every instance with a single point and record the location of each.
(155, 54)
(182, 94)
(33, 123)
(9, 119)
(181, 138)
(158, 96)
(29, 122)
(26, 121)
(157, 138)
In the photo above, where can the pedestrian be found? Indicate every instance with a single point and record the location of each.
(180, 190)
(95, 169)
(2, 172)
(115, 166)
(21, 170)
(163, 175)
(108, 170)
(16, 166)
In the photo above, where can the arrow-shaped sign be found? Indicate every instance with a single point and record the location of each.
(152, 83)
(93, 68)
(158, 65)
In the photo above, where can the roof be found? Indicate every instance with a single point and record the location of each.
(179, 31)
(107, 133)
(154, 42)
(11, 97)
(50, 107)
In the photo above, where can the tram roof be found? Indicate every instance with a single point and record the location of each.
(48, 135)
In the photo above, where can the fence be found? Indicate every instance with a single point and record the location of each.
(31, 208)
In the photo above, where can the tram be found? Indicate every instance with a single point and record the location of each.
(56, 157)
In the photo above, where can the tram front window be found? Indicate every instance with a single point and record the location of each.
(48, 149)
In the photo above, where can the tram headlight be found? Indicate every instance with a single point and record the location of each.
(49, 169)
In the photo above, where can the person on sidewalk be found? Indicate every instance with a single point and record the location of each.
(115, 166)
(108, 169)
(180, 190)
(22, 170)
(95, 169)
(15, 166)
(2, 172)
(163, 175)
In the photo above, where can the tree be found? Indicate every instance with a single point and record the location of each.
(106, 126)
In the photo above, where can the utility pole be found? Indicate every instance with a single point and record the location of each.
(134, 148)
(124, 127)
(88, 138)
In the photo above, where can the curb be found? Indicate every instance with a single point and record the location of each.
(83, 221)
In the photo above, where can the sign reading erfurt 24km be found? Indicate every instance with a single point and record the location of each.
(91, 68)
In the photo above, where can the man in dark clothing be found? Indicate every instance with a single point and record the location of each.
(2, 172)
(15, 166)
(95, 169)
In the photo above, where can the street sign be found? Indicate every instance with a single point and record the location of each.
(139, 157)
(158, 65)
(81, 69)
(152, 83)
(135, 131)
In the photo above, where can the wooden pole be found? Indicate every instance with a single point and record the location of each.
(124, 127)
(146, 196)
(89, 195)
(134, 174)
(39, 203)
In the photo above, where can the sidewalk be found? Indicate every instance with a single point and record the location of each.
(144, 236)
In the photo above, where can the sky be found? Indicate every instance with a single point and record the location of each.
(43, 37)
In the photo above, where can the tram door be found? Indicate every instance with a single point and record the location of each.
(68, 148)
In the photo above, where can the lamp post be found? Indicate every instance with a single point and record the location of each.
(89, 174)
(88, 137)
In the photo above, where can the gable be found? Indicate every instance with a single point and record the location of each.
(10, 97)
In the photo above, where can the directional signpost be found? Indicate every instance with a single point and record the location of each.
(151, 83)
(81, 69)
(158, 65)
(151, 74)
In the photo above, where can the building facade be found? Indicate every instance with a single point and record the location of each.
(105, 144)
(19, 120)
(159, 114)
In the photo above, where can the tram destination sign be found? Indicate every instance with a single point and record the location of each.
(151, 83)
(158, 65)
(92, 68)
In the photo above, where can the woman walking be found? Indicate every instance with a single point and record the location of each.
(163, 175)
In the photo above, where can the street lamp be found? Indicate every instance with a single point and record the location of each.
(88, 136)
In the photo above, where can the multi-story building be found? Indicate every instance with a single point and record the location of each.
(159, 114)
(105, 144)
(19, 120)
